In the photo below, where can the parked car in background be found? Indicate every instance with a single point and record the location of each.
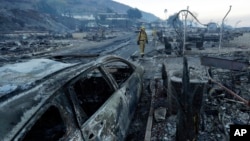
(44, 99)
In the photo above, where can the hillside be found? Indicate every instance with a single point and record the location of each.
(47, 14)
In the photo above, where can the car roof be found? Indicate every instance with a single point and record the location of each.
(23, 74)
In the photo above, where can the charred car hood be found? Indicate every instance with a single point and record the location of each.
(23, 75)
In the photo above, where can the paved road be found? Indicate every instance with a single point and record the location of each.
(132, 49)
(123, 45)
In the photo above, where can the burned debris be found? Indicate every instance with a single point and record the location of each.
(231, 72)
(29, 47)
(21, 45)
(215, 110)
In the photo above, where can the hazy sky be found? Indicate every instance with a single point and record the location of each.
(207, 10)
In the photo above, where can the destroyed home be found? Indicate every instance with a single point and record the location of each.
(72, 70)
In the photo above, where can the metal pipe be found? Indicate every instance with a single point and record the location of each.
(185, 30)
(246, 102)
(221, 26)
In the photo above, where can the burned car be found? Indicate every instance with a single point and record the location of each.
(44, 99)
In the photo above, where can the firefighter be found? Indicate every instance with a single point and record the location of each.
(142, 39)
(155, 37)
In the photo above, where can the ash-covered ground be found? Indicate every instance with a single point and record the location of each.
(219, 108)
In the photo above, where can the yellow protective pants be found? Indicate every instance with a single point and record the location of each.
(142, 47)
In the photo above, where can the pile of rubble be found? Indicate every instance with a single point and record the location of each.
(14, 49)
(219, 108)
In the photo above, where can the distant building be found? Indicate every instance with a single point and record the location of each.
(85, 17)
(113, 19)
(212, 27)
(117, 20)
(111, 16)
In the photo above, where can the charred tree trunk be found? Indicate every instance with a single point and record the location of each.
(190, 101)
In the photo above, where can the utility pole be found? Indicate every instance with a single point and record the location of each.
(221, 26)
(184, 32)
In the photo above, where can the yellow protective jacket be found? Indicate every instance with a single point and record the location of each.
(142, 36)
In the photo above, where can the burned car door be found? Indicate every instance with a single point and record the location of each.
(105, 107)
(53, 121)
(128, 79)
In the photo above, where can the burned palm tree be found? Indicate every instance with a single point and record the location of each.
(189, 105)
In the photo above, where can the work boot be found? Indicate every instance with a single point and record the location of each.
(142, 55)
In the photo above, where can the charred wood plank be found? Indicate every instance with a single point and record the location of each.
(246, 102)
(223, 63)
